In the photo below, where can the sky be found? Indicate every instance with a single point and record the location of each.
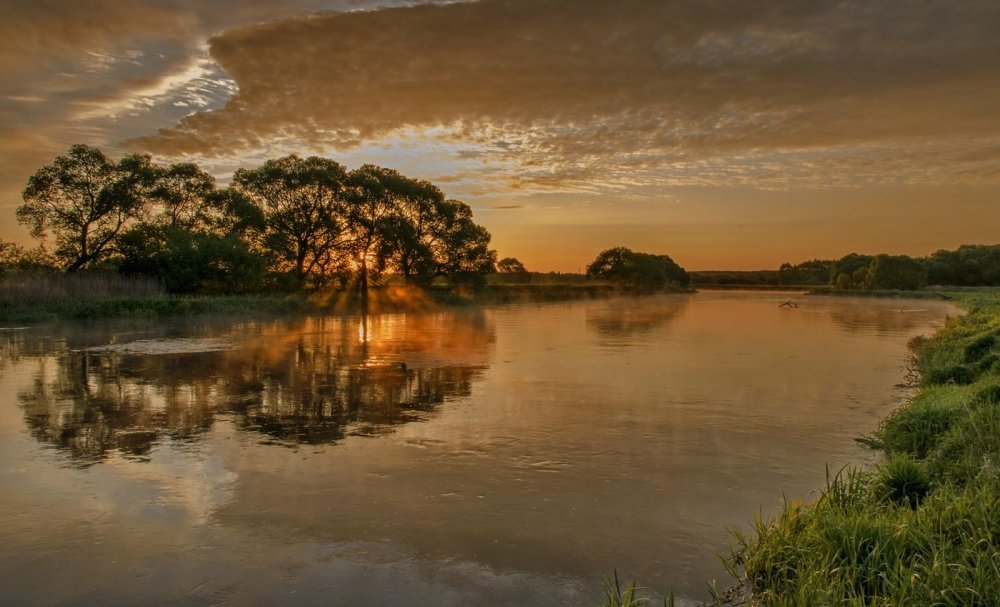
(728, 135)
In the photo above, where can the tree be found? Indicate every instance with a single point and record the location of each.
(641, 271)
(409, 230)
(302, 206)
(460, 246)
(510, 265)
(191, 261)
(812, 272)
(896, 272)
(85, 200)
(182, 190)
(850, 271)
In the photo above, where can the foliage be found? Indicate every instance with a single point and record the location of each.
(895, 272)
(850, 271)
(188, 261)
(510, 265)
(301, 203)
(640, 271)
(969, 265)
(289, 224)
(812, 272)
(85, 200)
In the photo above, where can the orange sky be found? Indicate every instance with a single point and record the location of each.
(733, 135)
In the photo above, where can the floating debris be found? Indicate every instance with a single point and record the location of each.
(167, 346)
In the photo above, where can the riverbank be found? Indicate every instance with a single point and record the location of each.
(73, 298)
(923, 528)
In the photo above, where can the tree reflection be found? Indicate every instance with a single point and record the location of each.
(885, 316)
(622, 318)
(311, 381)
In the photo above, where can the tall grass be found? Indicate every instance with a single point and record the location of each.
(49, 297)
(54, 289)
(923, 529)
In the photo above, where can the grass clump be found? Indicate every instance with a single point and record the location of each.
(923, 529)
(904, 480)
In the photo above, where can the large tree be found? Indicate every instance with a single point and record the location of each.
(85, 200)
(378, 225)
(301, 203)
(183, 190)
(460, 246)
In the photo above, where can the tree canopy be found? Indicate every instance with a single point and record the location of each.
(642, 271)
(291, 222)
(85, 200)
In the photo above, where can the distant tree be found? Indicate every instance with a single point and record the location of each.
(850, 271)
(302, 207)
(15, 259)
(812, 272)
(642, 271)
(510, 265)
(85, 200)
(10, 255)
(969, 265)
(897, 272)
(675, 274)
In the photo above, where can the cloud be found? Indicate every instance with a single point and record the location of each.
(101, 71)
(593, 94)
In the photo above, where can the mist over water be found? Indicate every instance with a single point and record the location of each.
(501, 456)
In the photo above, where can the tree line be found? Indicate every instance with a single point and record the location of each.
(291, 223)
(967, 266)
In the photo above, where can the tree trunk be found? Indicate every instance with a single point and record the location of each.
(363, 283)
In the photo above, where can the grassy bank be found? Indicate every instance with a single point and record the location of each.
(924, 527)
(53, 297)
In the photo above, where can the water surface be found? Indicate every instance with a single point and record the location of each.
(502, 456)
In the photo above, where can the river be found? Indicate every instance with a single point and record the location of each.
(509, 455)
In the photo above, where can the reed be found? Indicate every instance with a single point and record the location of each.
(52, 289)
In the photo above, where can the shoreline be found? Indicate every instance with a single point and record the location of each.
(878, 536)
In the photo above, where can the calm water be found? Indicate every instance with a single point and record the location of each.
(507, 456)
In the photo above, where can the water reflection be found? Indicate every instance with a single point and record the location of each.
(311, 381)
(885, 316)
(622, 319)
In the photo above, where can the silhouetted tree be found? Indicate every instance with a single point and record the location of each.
(301, 202)
(182, 190)
(643, 271)
(85, 200)
(510, 265)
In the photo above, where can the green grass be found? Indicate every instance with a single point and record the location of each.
(923, 529)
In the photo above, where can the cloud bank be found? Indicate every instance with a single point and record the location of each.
(768, 93)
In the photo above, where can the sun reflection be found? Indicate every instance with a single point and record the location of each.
(363, 330)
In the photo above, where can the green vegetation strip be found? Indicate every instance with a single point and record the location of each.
(924, 527)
